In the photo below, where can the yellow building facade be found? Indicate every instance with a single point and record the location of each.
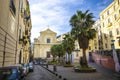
(110, 25)
(94, 43)
(43, 44)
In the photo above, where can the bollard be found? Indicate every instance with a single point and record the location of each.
(47, 66)
(54, 68)
(60, 76)
(56, 74)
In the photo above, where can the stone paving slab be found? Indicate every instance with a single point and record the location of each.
(70, 74)
(40, 74)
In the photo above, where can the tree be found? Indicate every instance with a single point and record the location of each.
(82, 30)
(57, 50)
(53, 51)
(60, 50)
(69, 45)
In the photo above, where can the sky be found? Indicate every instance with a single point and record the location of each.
(56, 14)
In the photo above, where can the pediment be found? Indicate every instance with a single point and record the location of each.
(48, 31)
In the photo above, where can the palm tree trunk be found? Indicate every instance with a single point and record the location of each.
(85, 63)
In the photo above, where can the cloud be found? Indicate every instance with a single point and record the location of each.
(52, 13)
(57, 13)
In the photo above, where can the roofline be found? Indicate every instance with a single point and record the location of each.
(107, 8)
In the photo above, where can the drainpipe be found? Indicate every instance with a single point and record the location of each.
(17, 32)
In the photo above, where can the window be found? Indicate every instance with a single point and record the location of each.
(77, 55)
(110, 33)
(103, 24)
(95, 42)
(106, 45)
(109, 20)
(95, 47)
(107, 12)
(115, 16)
(114, 8)
(20, 33)
(48, 40)
(117, 30)
(102, 16)
(105, 36)
(89, 48)
(48, 54)
(118, 2)
(119, 42)
(12, 7)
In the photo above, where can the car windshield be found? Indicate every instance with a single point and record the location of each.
(30, 64)
(8, 74)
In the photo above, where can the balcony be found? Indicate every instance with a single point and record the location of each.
(20, 40)
(109, 24)
(22, 12)
(26, 32)
(12, 7)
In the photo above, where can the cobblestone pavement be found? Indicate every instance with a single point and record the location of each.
(70, 74)
(40, 74)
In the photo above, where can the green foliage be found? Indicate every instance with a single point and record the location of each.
(53, 50)
(52, 63)
(60, 50)
(82, 27)
(84, 69)
(68, 65)
(69, 43)
(57, 50)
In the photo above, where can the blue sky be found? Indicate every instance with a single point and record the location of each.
(55, 14)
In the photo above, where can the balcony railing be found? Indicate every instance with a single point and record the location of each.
(12, 7)
(109, 24)
(22, 12)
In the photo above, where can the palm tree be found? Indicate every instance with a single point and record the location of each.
(82, 30)
(69, 45)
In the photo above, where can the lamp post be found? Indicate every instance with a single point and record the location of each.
(115, 57)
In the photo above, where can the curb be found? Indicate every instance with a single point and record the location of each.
(56, 74)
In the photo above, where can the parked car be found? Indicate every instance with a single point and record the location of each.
(31, 67)
(13, 72)
(25, 68)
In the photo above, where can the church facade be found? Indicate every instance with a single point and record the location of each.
(43, 43)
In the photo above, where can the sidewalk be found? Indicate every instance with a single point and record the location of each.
(101, 74)
(105, 70)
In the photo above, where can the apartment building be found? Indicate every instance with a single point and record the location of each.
(12, 28)
(110, 25)
(94, 43)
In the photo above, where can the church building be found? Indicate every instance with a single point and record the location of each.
(43, 43)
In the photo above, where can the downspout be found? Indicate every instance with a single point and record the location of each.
(17, 32)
